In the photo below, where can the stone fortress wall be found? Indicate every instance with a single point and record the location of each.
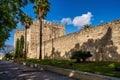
(103, 41)
(17, 35)
(49, 31)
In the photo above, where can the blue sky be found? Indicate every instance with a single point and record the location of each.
(76, 13)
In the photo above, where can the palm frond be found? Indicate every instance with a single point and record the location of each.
(26, 20)
(41, 8)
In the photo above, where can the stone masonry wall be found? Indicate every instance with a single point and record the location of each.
(49, 31)
(17, 35)
(102, 41)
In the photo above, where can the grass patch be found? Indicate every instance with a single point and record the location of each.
(103, 68)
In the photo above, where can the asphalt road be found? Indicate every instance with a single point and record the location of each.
(13, 71)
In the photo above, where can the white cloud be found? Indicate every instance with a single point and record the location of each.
(66, 21)
(78, 21)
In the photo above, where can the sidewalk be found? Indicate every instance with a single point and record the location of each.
(14, 71)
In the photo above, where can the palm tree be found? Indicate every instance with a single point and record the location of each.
(86, 26)
(26, 21)
(41, 8)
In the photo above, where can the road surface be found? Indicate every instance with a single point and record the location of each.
(13, 71)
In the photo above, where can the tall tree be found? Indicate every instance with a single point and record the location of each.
(26, 21)
(41, 8)
(10, 13)
(16, 49)
(21, 46)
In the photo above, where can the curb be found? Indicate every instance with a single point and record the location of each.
(70, 73)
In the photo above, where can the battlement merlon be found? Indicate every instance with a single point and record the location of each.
(48, 23)
(110, 23)
(18, 30)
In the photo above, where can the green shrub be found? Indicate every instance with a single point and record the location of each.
(9, 56)
(80, 55)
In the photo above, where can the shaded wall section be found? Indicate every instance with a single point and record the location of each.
(102, 41)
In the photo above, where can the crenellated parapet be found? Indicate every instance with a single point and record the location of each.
(50, 30)
(103, 41)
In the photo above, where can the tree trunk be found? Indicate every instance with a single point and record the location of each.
(83, 59)
(77, 60)
(40, 40)
(25, 43)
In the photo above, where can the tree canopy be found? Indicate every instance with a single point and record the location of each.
(26, 20)
(10, 14)
(86, 26)
(41, 8)
(7, 49)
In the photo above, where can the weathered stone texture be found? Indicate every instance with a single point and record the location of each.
(103, 41)
(17, 35)
(49, 31)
